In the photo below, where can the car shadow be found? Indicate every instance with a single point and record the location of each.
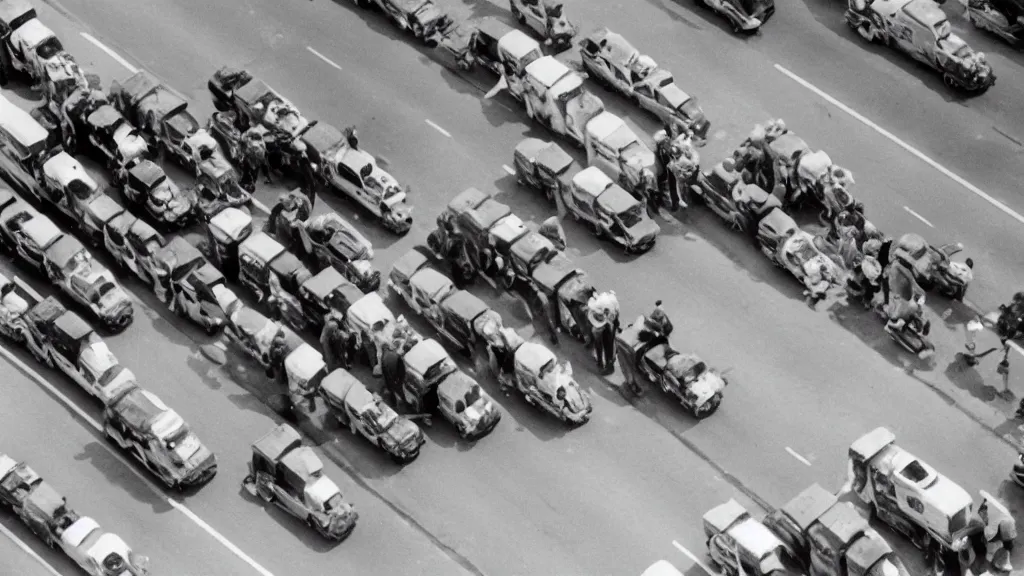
(870, 329)
(103, 459)
(830, 14)
(303, 532)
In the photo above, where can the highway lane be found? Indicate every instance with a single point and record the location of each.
(739, 442)
(82, 466)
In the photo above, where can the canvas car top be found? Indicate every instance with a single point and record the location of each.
(370, 309)
(72, 328)
(485, 215)
(303, 463)
(432, 283)
(286, 264)
(508, 230)
(7, 465)
(11, 10)
(139, 409)
(552, 273)
(105, 116)
(456, 386)
(809, 505)
(517, 44)
(424, 355)
(46, 311)
(304, 362)
(755, 538)
(255, 90)
(250, 321)
(721, 517)
(870, 444)
(843, 521)
(621, 138)
(63, 250)
(533, 356)
(278, 442)
(179, 252)
(865, 552)
(323, 138)
(262, 247)
(33, 32)
(20, 125)
(45, 499)
(674, 95)
(778, 222)
(816, 163)
(555, 158)
(358, 397)
(603, 125)
(465, 305)
(229, 223)
(529, 246)
(337, 384)
(103, 208)
(147, 173)
(75, 534)
(616, 200)
(324, 282)
(153, 96)
(926, 12)
(207, 275)
(468, 199)
(63, 168)
(592, 180)
(789, 143)
(547, 71)
(410, 263)
(41, 231)
(530, 147)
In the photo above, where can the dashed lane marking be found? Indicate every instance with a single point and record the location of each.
(322, 57)
(30, 552)
(117, 57)
(694, 558)
(63, 399)
(914, 151)
(508, 170)
(438, 128)
(794, 454)
(918, 216)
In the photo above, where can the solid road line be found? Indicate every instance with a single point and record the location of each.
(694, 558)
(120, 458)
(322, 57)
(117, 57)
(918, 216)
(794, 454)
(508, 170)
(438, 128)
(30, 552)
(914, 151)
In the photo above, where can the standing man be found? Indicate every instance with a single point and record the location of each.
(393, 368)
(330, 338)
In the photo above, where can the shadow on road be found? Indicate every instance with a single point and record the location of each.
(103, 459)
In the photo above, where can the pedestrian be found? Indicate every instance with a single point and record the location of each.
(542, 309)
(351, 137)
(255, 151)
(309, 172)
(276, 356)
(598, 327)
(607, 340)
(552, 230)
(393, 368)
(330, 337)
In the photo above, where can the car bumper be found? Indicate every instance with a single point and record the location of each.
(201, 475)
(641, 246)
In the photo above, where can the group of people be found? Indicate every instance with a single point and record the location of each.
(677, 164)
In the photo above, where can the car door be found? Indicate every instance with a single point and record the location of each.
(348, 181)
(69, 368)
(290, 500)
(722, 548)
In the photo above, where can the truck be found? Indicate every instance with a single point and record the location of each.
(830, 538)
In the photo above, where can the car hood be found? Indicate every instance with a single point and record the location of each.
(480, 413)
(113, 301)
(702, 389)
(429, 14)
(403, 431)
(643, 229)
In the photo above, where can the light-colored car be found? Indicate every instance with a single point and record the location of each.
(74, 270)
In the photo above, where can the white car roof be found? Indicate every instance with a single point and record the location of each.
(65, 169)
(33, 33)
(75, 534)
(662, 568)
(322, 490)
(604, 125)
(304, 361)
(547, 70)
(262, 247)
(98, 358)
(22, 126)
(6, 465)
(517, 44)
(229, 223)
(106, 545)
(592, 180)
(534, 356)
(41, 230)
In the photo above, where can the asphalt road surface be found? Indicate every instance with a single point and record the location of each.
(613, 496)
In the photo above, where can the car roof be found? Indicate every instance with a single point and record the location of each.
(531, 244)
(592, 180)
(262, 246)
(338, 383)
(616, 200)
(809, 505)
(304, 361)
(674, 94)
(63, 168)
(619, 49)
(46, 499)
(779, 220)
(488, 213)
(231, 221)
(370, 308)
(424, 355)
(287, 263)
(303, 462)
(755, 537)
(431, 281)
(20, 124)
(465, 305)
(468, 199)
(555, 158)
(552, 273)
(254, 90)
(63, 250)
(518, 44)
(534, 356)
(547, 70)
(73, 326)
(323, 137)
(105, 115)
(603, 125)
(180, 252)
(324, 282)
(888, 7)
(843, 521)
(147, 172)
(410, 263)
(104, 208)
(34, 32)
(140, 409)
(456, 385)
(277, 442)
(788, 144)
(11, 10)
(41, 230)
(509, 229)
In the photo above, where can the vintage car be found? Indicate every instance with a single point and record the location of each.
(794, 250)
(1004, 19)
(816, 177)
(610, 211)
(781, 154)
(134, 245)
(920, 29)
(741, 205)
(327, 292)
(254, 257)
(62, 76)
(32, 238)
(364, 413)
(67, 187)
(100, 553)
(741, 545)
(13, 213)
(423, 18)
(662, 568)
(403, 270)
(355, 173)
(255, 102)
(28, 45)
(428, 368)
(330, 241)
(374, 321)
(613, 147)
(219, 186)
(254, 333)
(457, 315)
(73, 269)
(113, 137)
(480, 43)
(570, 288)
(547, 19)
(745, 16)
(259, 259)
(933, 267)
(140, 423)
(830, 538)
(60, 339)
(27, 146)
(159, 112)
(615, 63)
(544, 166)
(685, 376)
(468, 199)
(284, 472)
(200, 295)
(17, 481)
(225, 231)
(229, 132)
(148, 186)
(16, 299)
(909, 495)
(544, 383)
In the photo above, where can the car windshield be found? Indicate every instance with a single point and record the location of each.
(383, 417)
(80, 189)
(472, 396)
(690, 109)
(943, 30)
(99, 290)
(49, 48)
(959, 520)
(440, 369)
(333, 503)
(179, 436)
(631, 217)
(779, 560)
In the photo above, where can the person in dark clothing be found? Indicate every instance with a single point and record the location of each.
(666, 178)
(607, 340)
(393, 368)
(884, 259)
(543, 311)
(333, 342)
(310, 182)
(278, 352)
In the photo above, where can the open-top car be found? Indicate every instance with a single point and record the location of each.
(610, 211)
(569, 289)
(365, 413)
(740, 204)
(547, 19)
(14, 213)
(745, 16)
(160, 113)
(284, 472)
(17, 481)
(423, 18)
(472, 43)
(73, 269)
(933, 267)
(794, 250)
(112, 136)
(148, 186)
(255, 102)
(920, 29)
(355, 173)
(684, 376)
(614, 62)
(28, 45)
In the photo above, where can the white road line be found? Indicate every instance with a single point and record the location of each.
(30, 552)
(322, 57)
(510, 171)
(918, 216)
(797, 456)
(145, 479)
(920, 155)
(260, 206)
(439, 129)
(693, 557)
(1016, 347)
(110, 53)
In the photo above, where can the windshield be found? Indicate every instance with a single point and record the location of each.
(577, 91)
(690, 109)
(440, 369)
(49, 48)
(943, 30)
(779, 560)
(472, 396)
(177, 437)
(959, 520)
(333, 503)
(631, 217)
(80, 189)
(99, 290)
